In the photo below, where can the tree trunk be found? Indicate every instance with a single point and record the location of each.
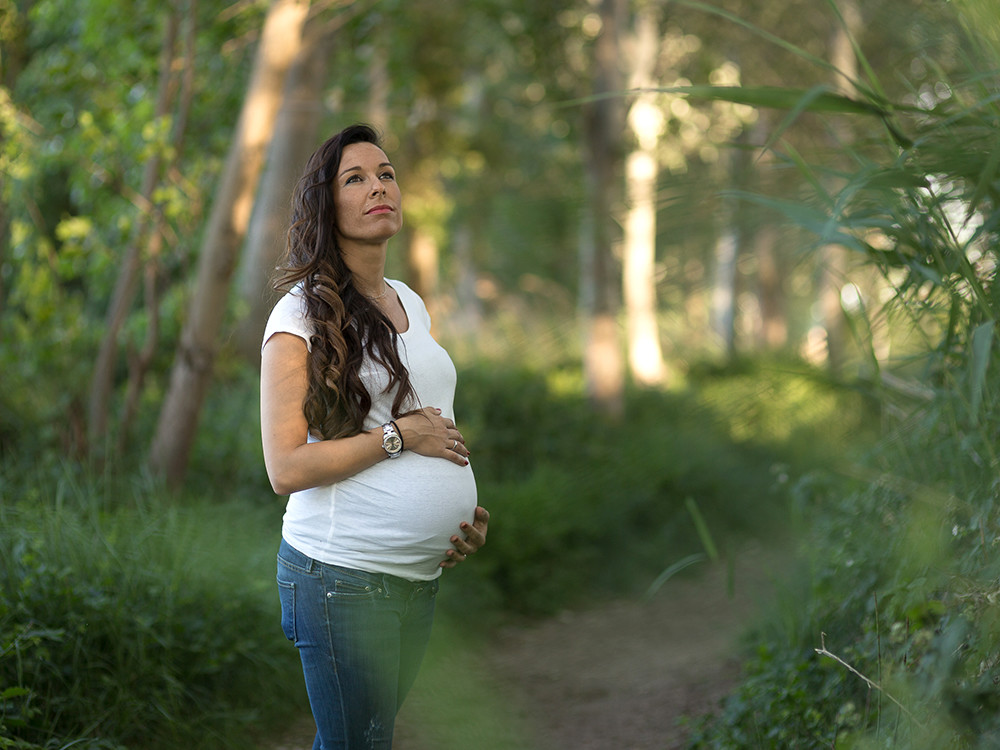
(468, 316)
(639, 253)
(771, 327)
(127, 283)
(379, 83)
(14, 56)
(603, 361)
(295, 135)
(141, 362)
(834, 257)
(772, 332)
(280, 43)
(727, 249)
(422, 264)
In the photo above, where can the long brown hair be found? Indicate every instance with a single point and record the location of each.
(347, 326)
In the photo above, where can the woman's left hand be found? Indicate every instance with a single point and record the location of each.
(475, 537)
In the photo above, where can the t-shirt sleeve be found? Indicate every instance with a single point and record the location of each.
(289, 316)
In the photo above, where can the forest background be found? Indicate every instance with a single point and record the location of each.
(710, 271)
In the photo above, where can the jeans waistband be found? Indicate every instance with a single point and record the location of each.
(309, 564)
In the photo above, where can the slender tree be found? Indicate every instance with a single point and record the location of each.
(280, 43)
(127, 284)
(645, 119)
(295, 134)
(771, 325)
(603, 361)
(834, 259)
(727, 252)
(141, 362)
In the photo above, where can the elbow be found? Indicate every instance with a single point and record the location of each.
(283, 487)
(281, 483)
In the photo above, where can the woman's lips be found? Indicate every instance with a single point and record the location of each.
(380, 210)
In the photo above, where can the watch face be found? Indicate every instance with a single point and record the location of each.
(392, 444)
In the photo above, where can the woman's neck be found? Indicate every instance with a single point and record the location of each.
(368, 270)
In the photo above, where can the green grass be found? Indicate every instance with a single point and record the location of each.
(127, 620)
(132, 618)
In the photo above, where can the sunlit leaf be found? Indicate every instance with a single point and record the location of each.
(817, 99)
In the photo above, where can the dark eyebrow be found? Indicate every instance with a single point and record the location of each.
(358, 169)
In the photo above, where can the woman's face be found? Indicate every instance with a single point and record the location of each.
(367, 199)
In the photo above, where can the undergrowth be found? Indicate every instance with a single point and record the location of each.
(608, 502)
(888, 632)
(127, 621)
(130, 618)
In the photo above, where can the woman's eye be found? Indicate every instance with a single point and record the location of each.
(388, 176)
(352, 178)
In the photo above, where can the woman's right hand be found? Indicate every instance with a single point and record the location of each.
(428, 433)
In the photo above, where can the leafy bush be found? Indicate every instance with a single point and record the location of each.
(570, 492)
(124, 623)
(889, 587)
(892, 637)
(129, 618)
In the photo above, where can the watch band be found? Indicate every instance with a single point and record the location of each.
(392, 441)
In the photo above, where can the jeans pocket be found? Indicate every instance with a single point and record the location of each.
(286, 593)
(355, 583)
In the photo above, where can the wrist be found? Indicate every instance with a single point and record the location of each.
(392, 441)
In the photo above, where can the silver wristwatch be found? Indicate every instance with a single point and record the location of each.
(392, 443)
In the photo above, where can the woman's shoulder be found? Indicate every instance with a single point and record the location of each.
(289, 315)
(410, 299)
(401, 287)
(405, 292)
(291, 303)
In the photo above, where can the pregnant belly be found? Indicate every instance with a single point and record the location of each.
(404, 511)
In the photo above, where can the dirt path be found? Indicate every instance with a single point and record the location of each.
(617, 677)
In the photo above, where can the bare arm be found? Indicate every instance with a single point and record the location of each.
(293, 463)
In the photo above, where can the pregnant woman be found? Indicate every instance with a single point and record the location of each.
(358, 427)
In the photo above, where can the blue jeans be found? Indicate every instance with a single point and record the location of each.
(361, 637)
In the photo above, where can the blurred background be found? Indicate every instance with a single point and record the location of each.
(712, 272)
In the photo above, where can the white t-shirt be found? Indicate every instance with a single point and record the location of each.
(397, 516)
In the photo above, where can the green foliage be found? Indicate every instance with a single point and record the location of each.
(888, 635)
(127, 614)
(77, 129)
(887, 584)
(127, 623)
(568, 487)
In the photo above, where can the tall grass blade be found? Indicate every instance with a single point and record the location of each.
(702, 527)
(982, 348)
(987, 179)
(819, 99)
(673, 570)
